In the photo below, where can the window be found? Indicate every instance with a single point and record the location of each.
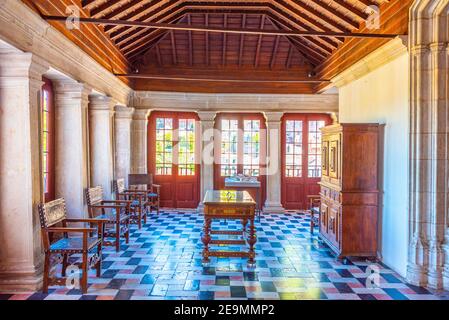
(47, 143)
(229, 147)
(293, 148)
(164, 146)
(314, 160)
(186, 161)
(251, 148)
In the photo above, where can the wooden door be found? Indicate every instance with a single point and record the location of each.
(173, 157)
(301, 158)
(240, 148)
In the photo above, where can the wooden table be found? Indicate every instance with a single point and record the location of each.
(229, 204)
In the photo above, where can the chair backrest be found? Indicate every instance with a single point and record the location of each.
(119, 186)
(51, 213)
(94, 195)
(136, 180)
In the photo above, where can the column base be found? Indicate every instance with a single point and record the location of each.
(21, 281)
(272, 207)
(200, 208)
(417, 275)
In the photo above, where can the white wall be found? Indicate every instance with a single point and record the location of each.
(382, 96)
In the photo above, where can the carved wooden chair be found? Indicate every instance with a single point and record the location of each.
(314, 207)
(145, 182)
(89, 244)
(113, 212)
(138, 201)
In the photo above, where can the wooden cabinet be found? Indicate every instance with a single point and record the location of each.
(349, 188)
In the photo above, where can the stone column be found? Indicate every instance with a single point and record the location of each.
(139, 138)
(123, 118)
(21, 182)
(206, 145)
(71, 102)
(273, 202)
(101, 111)
(429, 144)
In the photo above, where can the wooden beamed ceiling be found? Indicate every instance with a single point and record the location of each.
(174, 58)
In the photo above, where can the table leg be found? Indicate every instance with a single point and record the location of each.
(252, 239)
(206, 240)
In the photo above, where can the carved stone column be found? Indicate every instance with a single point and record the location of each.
(123, 118)
(139, 138)
(429, 143)
(273, 202)
(71, 144)
(207, 121)
(20, 166)
(101, 111)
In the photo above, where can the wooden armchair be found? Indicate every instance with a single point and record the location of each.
(54, 213)
(145, 182)
(138, 201)
(314, 207)
(113, 212)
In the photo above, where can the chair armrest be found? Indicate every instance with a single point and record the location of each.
(137, 191)
(97, 221)
(64, 230)
(117, 201)
(106, 206)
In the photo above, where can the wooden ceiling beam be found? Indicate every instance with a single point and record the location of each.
(206, 35)
(213, 78)
(259, 42)
(242, 41)
(325, 7)
(185, 27)
(189, 21)
(355, 11)
(225, 43)
(173, 46)
(97, 12)
(317, 14)
(274, 52)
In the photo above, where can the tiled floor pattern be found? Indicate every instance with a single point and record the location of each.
(163, 261)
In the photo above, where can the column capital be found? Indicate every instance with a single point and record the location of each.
(19, 66)
(123, 112)
(207, 115)
(141, 114)
(101, 103)
(273, 116)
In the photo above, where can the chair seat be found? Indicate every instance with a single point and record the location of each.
(135, 203)
(152, 195)
(74, 244)
(111, 217)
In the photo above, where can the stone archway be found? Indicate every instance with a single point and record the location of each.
(428, 263)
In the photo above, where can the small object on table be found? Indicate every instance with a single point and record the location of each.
(229, 204)
(314, 207)
(242, 183)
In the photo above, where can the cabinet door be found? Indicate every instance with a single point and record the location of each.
(324, 217)
(333, 158)
(334, 225)
(325, 158)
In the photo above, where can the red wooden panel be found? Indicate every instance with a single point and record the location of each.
(177, 191)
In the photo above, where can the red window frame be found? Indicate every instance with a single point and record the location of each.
(294, 189)
(177, 191)
(219, 183)
(48, 133)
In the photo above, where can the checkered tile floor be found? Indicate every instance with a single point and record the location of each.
(163, 261)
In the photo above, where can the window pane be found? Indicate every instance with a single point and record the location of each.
(251, 147)
(229, 134)
(186, 157)
(314, 149)
(293, 148)
(164, 146)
